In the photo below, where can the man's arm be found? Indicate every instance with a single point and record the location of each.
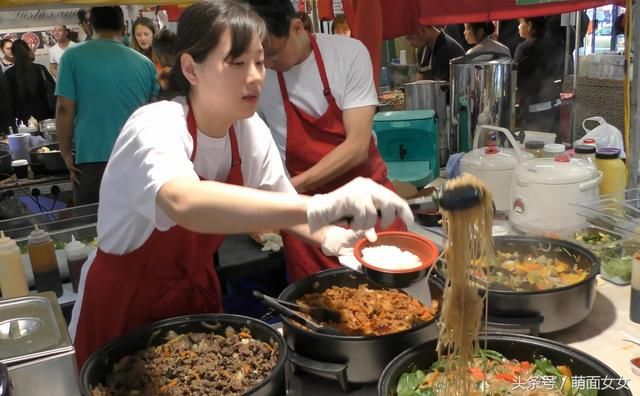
(65, 115)
(346, 156)
(53, 68)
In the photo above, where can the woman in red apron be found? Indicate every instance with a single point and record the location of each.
(309, 138)
(152, 184)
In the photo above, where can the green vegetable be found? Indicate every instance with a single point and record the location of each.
(409, 384)
(618, 267)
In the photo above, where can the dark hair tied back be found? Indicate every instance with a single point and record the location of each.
(200, 29)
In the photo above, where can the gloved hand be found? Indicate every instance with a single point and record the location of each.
(338, 241)
(359, 200)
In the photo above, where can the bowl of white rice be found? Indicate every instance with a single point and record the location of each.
(397, 259)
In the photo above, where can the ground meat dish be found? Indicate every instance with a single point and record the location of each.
(369, 312)
(194, 364)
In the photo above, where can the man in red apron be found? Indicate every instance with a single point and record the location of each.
(318, 99)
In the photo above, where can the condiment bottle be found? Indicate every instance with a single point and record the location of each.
(535, 147)
(589, 142)
(553, 149)
(43, 261)
(76, 252)
(586, 152)
(13, 280)
(614, 172)
(634, 308)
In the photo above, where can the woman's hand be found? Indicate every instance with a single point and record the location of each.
(358, 203)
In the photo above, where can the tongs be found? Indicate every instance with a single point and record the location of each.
(292, 311)
(458, 198)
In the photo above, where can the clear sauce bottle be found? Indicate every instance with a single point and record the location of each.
(43, 262)
(76, 252)
(586, 152)
(13, 280)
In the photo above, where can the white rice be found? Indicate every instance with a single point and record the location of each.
(390, 257)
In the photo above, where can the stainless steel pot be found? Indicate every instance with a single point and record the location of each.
(482, 92)
(432, 95)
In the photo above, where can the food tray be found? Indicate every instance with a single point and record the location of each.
(608, 211)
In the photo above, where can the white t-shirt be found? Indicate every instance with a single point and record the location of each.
(55, 52)
(350, 74)
(155, 147)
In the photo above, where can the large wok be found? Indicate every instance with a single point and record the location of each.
(49, 162)
(553, 309)
(349, 359)
(512, 346)
(101, 362)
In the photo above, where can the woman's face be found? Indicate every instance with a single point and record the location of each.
(469, 35)
(230, 87)
(144, 36)
(6, 50)
(524, 28)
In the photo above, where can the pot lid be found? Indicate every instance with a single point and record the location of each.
(559, 170)
(493, 158)
(404, 115)
(31, 327)
(482, 59)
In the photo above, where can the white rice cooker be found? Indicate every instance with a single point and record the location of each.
(543, 188)
(494, 165)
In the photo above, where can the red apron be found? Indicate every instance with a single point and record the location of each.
(171, 274)
(310, 139)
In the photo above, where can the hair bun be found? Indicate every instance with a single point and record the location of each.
(490, 28)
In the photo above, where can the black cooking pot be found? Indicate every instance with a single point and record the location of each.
(47, 163)
(349, 359)
(101, 362)
(512, 346)
(557, 309)
(5, 163)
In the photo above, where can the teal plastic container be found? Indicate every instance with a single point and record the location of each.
(408, 144)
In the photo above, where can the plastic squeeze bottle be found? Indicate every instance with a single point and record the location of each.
(76, 252)
(13, 280)
(43, 261)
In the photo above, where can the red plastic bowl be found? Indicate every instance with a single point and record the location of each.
(422, 247)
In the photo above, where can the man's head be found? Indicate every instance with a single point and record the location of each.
(425, 35)
(107, 20)
(84, 19)
(287, 43)
(61, 33)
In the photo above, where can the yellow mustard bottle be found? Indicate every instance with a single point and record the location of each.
(13, 280)
(614, 172)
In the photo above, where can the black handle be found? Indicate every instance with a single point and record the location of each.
(513, 324)
(335, 370)
(285, 311)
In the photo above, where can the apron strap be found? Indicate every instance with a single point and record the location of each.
(323, 73)
(235, 152)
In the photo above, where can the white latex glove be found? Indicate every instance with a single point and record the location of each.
(338, 241)
(359, 199)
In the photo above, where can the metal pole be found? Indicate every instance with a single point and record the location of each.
(634, 140)
(576, 71)
(567, 53)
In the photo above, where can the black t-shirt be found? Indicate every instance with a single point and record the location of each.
(434, 63)
(540, 64)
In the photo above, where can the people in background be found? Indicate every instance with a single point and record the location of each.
(61, 34)
(540, 69)
(340, 26)
(508, 34)
(142, 37)
(7, 55)
(175, 185)
(436, 49)
(478, 34)
(306, 21)
(457, 33)
(28, 86)
(318, 99)
(100, 83)
(164, 55)
(7, 122)
(84, 20)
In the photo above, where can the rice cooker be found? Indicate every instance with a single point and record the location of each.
(494, 165)
(543, 189)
